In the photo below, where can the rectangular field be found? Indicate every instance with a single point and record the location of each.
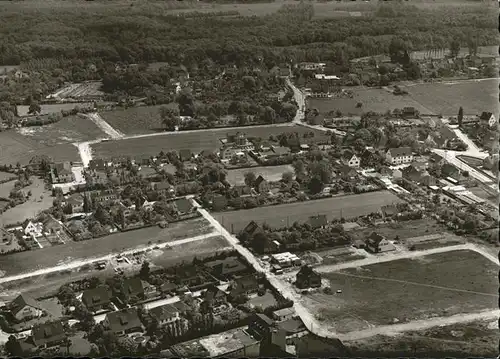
(475, 96)
(196, 141)
(22, 110)
(15, 147)
(68, 130)
(136, 120)
(50, 256)
(286, 214)
(408, 289)
(272, 174)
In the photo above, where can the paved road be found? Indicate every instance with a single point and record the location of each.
(80, 263)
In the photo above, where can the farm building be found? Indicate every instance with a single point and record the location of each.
(378, 244)
(285, 259)
(307, 277)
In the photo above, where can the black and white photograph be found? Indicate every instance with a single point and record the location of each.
(249, 178)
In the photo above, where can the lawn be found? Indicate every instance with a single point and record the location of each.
(281, 215)
(406, 229)
(136, 120)
(475, 96)
(28, 261)
(40, 200)
(272, 174)
(196, 141)
(373, 99)
(403, 290)
(15, 147)
(22, 110)
(6, 176)
(266, 301)
(68, 130)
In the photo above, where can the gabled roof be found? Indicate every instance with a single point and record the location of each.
(123, 320)
(411, 170)
(375, 238)
(346, 170)
(259, 180)
(252, 228)
(389, 210)
(306, 271)
(347, 155)
(485, 116)
(246, 282)
(265, 319)
(164, 312)
(181, 306)
(434, 157)
(48, 332)
(400, 151)
(96, 297)
(22, 301)
(213, 292)
(226, 266)
(132, 286)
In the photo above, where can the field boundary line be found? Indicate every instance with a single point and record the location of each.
(415, 283)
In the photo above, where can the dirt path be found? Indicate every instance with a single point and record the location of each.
(104, 126)
(420, 325)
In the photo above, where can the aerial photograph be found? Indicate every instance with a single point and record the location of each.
(249, 178)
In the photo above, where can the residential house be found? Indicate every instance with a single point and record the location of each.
(6, 236)
(350, 159)
(410, 112)
(96, 299)
(307, 277)
(94, 178)
(214, 296)
(226, 153)
(76, 202)
(489, 118)
(385, 171)
(347, 173)
(389, 210)
(98, 164)
(103, 197)
(226, 267)
(428, 180)
(319, 221)
(33, 229)
(347, 124)
(61, 172)
(252, 229)
(168, 288)
(284, 314)
(183, 206)
(437, 159)
(448, 170)
(48, 334)
(261, 185)
(398, 156)
(25, 308)
(185, 155)
(165, 314)
(132, 287)
(52, 225)
(260, 325)
(244, 286)
(219, 202)
(320, 66)
(123, 322)
(411, 173)
(378, 244)
(164, 189)
(237, 139)
(241, 190)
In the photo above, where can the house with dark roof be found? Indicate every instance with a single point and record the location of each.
(319, 221)
(219, 202)
(48, 334)
(307, 277)
(350, 159)
(377, 243)
(437, 159)
(241, 190)
(488, 118)
(132, 287)
(183, 206)
(185, 155)
(244, 286)
(260, 325)
(165, 314)
(411, 173)
(389, 210)
(347, 173)
(226, 267)
(252, 228)
(261, 185)
(5, 236)
(61, 172)
(24, 308)
(98, 164)
(123, 322)
(168, 288)
(214, 296)
(448, 170)
(96, 299)
(398, 156)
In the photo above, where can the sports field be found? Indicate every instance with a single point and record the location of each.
(285, 214)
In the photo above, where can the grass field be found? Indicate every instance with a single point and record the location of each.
(404, 290)
(196, 141)
(15, 147)
(46, 257)
(445, 98)
(49, 284)
(6, 175)
(279, 216)
(136, 120)
(237, 177)
(477, 339)
(22, 110)
(67, 130)
(407, 229)
(436, 98)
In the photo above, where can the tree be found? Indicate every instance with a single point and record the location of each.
(397, 48)
(315, 185)
(186, 103)
(170, 118)
(460, 116)
(454, 48)
(145, 270)
(287, 177)
(299, 167)
(12, 347)
(34, 108)
(250, 178)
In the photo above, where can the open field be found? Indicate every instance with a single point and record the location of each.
(22, 110)
(237, 177)
(45, 285)
(279, 216)
(475, 96)
(67, 130)
(17, 263)
(196, 141)
(6, 175)
(373, 99)
(136, 120)
(401, 291)
(15, 147)
(75, 91)
(40, 200)
(475, 339)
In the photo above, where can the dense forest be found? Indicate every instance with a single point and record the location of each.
(145, 33)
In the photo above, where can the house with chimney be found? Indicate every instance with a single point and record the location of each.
(165, 314)
(96, 299)
(46, 335)
(307, 277)
(261, 185)
(489, 118)
(61, 172)
(24, 308)
(123, 322)
(377, 243)
(350, 159)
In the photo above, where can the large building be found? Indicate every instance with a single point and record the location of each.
(398, 156)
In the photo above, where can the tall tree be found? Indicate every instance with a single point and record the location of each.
(454, 48)
(460, 116)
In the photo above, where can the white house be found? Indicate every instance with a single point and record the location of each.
(33, 229)
(25, 308)
(165, 314)
(350, 159)
(398, 156)
(488, 117)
